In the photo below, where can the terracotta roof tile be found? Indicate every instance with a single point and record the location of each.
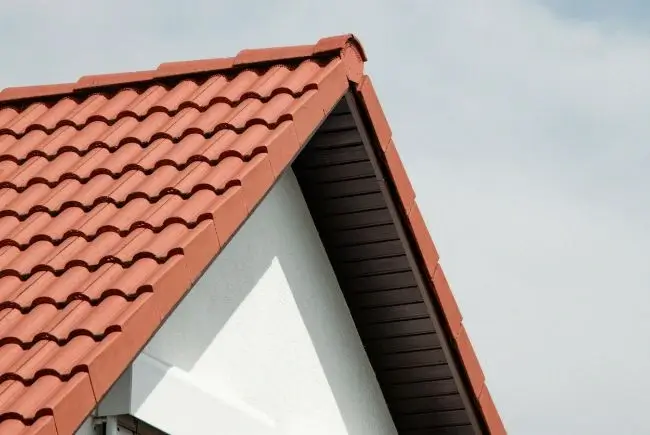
(98, 81)
(118, 190)
(43, 426)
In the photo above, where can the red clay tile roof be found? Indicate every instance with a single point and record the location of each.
(117, 191)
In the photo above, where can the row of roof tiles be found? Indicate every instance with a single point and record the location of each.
(111, 204)
(342, 45)
(117, 190)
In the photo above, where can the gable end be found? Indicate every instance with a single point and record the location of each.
(356, 209)
(120, 189)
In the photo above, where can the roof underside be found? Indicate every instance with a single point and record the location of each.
(355, 215)
(117, 191)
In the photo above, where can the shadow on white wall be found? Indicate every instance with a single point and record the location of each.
(264, 342)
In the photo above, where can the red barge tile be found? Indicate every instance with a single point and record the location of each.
(118, 190)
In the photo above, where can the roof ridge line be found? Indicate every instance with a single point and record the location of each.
(341, 45)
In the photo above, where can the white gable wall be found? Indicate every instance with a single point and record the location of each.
(263, 344)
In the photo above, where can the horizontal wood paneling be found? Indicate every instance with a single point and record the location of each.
(349, 209)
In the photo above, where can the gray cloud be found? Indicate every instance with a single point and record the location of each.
(524, 129)
(620, 14)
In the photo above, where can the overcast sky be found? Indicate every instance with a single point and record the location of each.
(525, 128)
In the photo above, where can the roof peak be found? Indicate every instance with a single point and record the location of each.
(328, 46)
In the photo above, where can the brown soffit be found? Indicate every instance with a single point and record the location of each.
(118, 190)
(436, 278)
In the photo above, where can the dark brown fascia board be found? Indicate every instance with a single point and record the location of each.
(371, 145)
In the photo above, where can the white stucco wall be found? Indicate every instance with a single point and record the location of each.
(264, 343)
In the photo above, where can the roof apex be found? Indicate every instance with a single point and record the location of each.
(325, 47)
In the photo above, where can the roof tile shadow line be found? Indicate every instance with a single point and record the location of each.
(130, 167)
(59, 341)
(144, 143)
(28, 382)
(215, 210)
(204, 215)
(77, 387)
(126, 113)
(208, 134)
(76, 297)
(36, 153)
(106, 199)
(92, 267)
(27, 421)
(138, 224)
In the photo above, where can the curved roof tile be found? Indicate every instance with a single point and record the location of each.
(117, 190)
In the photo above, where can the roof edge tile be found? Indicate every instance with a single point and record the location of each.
(255, 181)
(447, 301)
(470, 361)
(101, 80)
(117, 351)
(347, 46)
(229, 212)
(436, 280)
(339, 42)
(400, 178)
(70, 404)
(171, 69)
(275, 54)
(24, 92)
(366, 91)
(494, 423)
(200, 249)
(423, 239)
